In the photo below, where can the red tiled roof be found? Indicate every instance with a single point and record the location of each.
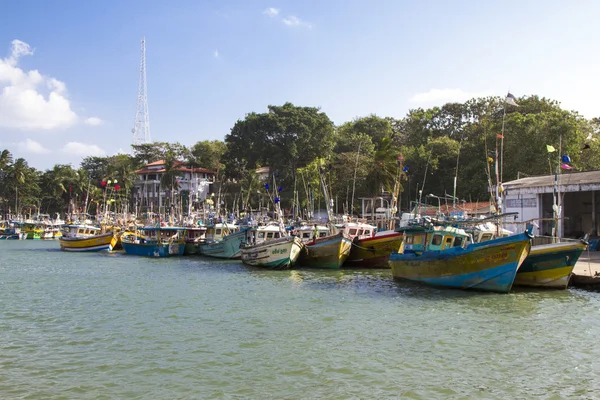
(481, 207)
(147, 170)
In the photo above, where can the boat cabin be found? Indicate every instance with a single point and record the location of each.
(162, 234)
(307, 233)
(195, 235)
(265, 233)
(80, 231)
(488, 231)
(218, 231)
(360, 230)
(434, 239)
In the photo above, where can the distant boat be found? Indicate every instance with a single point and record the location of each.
(445, 256)
(83, 237)
(271, 247)
(156, 242)
(193, 237)
(11, 234)
(223, 241)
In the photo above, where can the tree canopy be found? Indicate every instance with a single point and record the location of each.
(364, 157)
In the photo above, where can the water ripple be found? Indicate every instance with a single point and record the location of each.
(113, 326)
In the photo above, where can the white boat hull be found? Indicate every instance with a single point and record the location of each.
(275, 254)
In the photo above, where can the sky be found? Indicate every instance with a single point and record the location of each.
(69, 70)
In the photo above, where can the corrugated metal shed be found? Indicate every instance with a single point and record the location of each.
(568, 182)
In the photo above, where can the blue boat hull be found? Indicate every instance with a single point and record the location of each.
(154, 249)
(488, 266)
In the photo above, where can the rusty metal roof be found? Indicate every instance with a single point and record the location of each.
(568, 182)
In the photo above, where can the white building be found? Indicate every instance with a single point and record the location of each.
(532, 198)
(197, 182)
(263, 173)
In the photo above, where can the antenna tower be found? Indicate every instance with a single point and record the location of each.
(141, 129)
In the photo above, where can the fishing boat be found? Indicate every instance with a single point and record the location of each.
(32, 230)
(10, 234)
(550, 265)
(156, 241)
(322, 249)
(370, 249)
(446, 256)
(271, 246)
(224, 241)
(193, 237)
(83, 237)
(547, 265)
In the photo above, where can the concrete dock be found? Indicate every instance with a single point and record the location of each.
(586, 274)
(588, 264)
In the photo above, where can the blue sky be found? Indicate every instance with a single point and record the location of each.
(211, 62)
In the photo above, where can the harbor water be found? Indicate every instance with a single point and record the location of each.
(106, 326)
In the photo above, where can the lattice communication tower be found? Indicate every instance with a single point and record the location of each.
(141, 129)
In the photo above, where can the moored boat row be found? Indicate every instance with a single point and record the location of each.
(440, 255)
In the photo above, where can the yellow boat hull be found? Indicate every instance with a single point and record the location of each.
(329, 252)
(550, 265)
(94, 243)
(374, 252)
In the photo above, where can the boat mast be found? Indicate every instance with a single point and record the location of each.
(354, 180)
(327, 199)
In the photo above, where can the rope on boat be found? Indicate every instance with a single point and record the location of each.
(362, 248)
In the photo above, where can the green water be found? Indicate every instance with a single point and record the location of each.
(112, 326)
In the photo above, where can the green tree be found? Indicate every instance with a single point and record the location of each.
(207, 154)
(285, 138)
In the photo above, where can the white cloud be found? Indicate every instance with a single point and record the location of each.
(23, 104)
(31, 146)
(93, 121)
(292, 20)
(216, 54)
(83, 150)
(271, 12)
(443, 96)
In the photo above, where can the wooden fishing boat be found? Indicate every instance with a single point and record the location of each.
(547, 265)
(193, 237)
(32, 231)
(445, 256)
(156, 242)
(271, 247)
(550, 265)
(228, 247)
(10, 234)
(370, 249)
(326, 252)
(82, 237)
